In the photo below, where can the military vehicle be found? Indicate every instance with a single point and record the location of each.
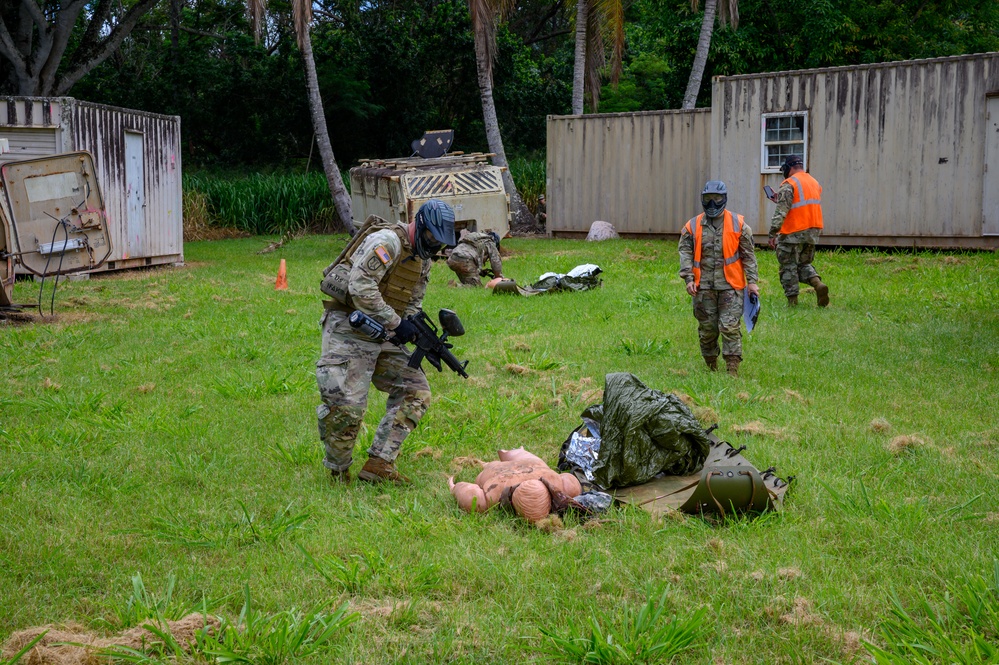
(52, 219)
(394, 189)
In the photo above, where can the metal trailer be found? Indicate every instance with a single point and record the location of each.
(394, 189)
(138, 163)
(642, 172)
(907, 154)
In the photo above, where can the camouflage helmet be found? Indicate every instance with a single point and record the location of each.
(434, 228)
(714, 198)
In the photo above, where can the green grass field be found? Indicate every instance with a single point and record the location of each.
(165, 425)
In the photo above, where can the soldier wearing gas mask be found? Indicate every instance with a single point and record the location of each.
(795, 228)
(383, 272)
(718, 262)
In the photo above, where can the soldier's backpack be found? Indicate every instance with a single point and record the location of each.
(334, 282)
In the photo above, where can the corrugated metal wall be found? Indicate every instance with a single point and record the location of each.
(38, 126)
(643, 172)
(897, 147)
(101, 131)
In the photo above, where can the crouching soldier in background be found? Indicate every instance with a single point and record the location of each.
(469, 257)
(382, 272)
(717, 261)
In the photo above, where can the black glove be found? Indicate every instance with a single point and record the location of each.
(404, 332)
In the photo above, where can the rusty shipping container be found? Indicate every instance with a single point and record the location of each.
(642, 172)
(907, 154)
(138, 161)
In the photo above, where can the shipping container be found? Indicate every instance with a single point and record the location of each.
(138, 161)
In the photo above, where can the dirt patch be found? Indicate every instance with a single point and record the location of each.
(952, 260)
(459, 463)
(592, 396)
(801, 614)
(49, 384)
(636, 256)
(517, 369)
(905, 442)
(757, 428)
(878, 260)
(795, 396)
(991, 518)
(744, 396)
(428, 452)
(550, 524)
(788, 573)
(54, 648)
(686, 399)
(705, 414)
(880, 426)
(521, 346)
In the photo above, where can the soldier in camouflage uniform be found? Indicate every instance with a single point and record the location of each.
(795, 228)
(469, 257)
(383, 272)
(717, 262)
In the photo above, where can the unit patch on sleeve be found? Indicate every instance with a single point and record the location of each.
(383, 254)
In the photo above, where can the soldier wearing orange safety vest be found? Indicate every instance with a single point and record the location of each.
(718, 263)
(795, 228)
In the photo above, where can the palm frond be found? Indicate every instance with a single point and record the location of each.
(301, 11)
(256, 10)
(728, 13)
(486, 14)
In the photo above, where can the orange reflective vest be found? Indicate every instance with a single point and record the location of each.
(731, 232)
(806, 208)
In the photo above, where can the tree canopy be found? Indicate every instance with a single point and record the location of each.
(390, 69)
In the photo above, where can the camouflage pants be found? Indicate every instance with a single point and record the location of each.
(348, 365)
(467, 269)
(795, 260)
(719, 312)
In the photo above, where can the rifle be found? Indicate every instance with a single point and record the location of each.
(428, 345)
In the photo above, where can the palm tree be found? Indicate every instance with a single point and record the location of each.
(302, 16)
(485, 15)
(729, 14)
(599, 23)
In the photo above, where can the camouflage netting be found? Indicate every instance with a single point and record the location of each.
(74, 645)
(643, 433)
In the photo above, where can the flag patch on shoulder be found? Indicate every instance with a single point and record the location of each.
(382, 254)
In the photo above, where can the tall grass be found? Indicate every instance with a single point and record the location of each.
(263, 204)
(529, 176)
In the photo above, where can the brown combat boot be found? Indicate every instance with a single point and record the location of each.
(821, 291)
(732, 365)
(340, 477)
(377, 470)
(711, 362)
(792, 301)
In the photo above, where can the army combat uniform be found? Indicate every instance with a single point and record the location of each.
(718, 303)
(468, 258)
(387, 281)
(797, 225)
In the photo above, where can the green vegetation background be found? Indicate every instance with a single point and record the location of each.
(165, 424)
(391, 69)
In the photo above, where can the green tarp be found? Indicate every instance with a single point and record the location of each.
(643, 433)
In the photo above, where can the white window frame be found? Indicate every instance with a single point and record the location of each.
(764, 168)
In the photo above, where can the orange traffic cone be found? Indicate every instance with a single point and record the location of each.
(282, 279)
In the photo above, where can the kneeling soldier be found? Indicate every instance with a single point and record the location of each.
(717, 261)
(473, 250)
(382, 272)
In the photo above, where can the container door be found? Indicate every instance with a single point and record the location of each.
(6, 262)
(135, 188)
(990, 179)
(53, 215)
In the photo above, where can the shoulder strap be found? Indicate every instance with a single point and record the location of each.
(371, 224)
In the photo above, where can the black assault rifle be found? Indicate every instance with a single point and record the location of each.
(428, 345)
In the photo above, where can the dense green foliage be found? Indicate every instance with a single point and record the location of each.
(276, 203)
(165, 425)
(390, 69)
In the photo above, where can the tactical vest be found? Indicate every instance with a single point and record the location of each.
(396, 288)
(731, 233)
(806, 208)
